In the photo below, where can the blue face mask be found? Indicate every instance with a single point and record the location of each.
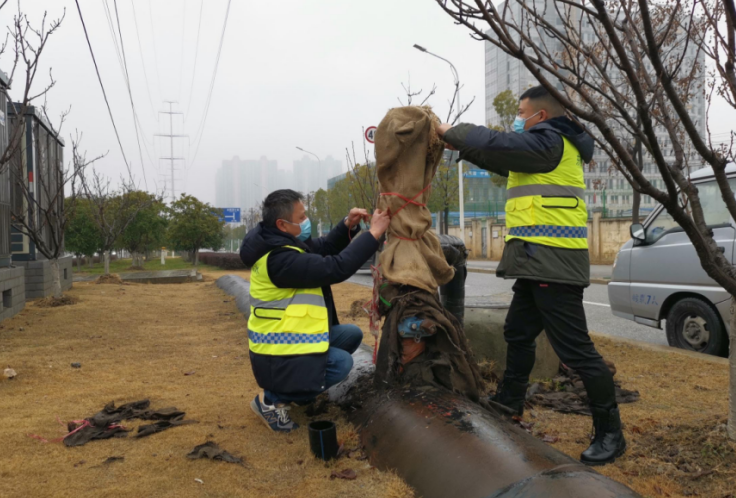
(306, 227)
(520, 122)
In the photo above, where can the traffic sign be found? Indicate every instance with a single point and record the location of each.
(370, 134)
(231, 215)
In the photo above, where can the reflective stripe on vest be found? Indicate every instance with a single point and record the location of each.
(549, 208)
(285, 322)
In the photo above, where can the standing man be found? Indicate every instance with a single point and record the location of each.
(298, 349)
(546, 252)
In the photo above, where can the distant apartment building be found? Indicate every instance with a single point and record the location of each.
(245, 183)
(311, 175)
(605, 187)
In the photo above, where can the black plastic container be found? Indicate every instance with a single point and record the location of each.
(323, 439)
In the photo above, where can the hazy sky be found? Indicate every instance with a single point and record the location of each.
(308, 73)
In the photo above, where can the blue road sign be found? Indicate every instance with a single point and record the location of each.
(231, 215)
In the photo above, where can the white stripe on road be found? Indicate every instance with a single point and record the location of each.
(597, 304)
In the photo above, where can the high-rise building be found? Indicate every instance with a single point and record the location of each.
(311, 175)
(245, 183)
(605, 187)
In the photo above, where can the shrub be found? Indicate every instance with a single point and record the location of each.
(226, 261)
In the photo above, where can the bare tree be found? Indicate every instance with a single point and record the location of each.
(251, 218)
(27, 44)
(39, 211)
(112, 209)
(630, 68)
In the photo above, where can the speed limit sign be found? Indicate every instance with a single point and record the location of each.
(370, 134)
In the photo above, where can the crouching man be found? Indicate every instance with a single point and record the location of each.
(298, 349)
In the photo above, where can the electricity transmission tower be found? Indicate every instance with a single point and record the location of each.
(171, 181)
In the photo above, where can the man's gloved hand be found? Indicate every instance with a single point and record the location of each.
(355, 216)
(379, 223)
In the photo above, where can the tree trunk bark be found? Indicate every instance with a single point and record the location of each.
(196, 258)
(635, 208)
(732, 368)
(447, 221)
(106, 258)
(55, 278)
(91, 261)
(79, 262)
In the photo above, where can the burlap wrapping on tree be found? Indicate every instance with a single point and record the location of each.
(408, 152)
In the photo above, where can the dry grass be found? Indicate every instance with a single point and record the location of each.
(676, 433)
(137, 341)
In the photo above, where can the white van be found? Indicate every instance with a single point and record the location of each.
(657, 275)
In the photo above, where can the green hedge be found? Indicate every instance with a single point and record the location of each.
(226, 261)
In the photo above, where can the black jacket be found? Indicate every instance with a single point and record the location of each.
(538, 150)
(328, 260)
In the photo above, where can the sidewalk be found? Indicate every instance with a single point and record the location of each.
(599, 274)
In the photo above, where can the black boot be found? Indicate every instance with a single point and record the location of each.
(511, 394)
(608, 442)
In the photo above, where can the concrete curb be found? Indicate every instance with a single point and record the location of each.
(602, 281)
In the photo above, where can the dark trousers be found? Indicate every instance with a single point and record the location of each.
(344, 341)
(558, 310)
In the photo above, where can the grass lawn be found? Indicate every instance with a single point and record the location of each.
(123, 265)
(137, 341)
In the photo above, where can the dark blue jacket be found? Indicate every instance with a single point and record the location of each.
(328, 260)
(538, 150)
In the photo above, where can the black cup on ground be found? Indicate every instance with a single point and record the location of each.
(323, 439)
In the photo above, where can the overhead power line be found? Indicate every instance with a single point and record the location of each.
(196, 53)
(143, 61)
(130, 93)
(155, 55)
(200, 131)
(104, 94)
(183, 33)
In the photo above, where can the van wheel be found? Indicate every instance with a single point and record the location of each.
(693, 324)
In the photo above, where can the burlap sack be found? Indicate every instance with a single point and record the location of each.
(408, 152)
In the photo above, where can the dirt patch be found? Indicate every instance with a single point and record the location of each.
(55, 302)
(356, 310)
(112, 278)
(139, 341)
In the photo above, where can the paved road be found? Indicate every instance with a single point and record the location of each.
(597, 309)
(596, 271)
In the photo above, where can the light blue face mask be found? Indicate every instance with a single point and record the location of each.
(306, 232)
(306, 229)
(520, 122)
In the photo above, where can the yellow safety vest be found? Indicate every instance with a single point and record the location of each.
(285, 322)
(548, 208)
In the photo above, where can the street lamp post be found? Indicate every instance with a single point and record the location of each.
(319, 161)
(452, 155)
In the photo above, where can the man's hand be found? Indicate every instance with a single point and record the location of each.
(379, 223)
(355, 216)
(441, 130)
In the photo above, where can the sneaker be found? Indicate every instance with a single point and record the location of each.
(276, 417)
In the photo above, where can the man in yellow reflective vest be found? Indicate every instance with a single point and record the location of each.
(546, 252)
(298, 348)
